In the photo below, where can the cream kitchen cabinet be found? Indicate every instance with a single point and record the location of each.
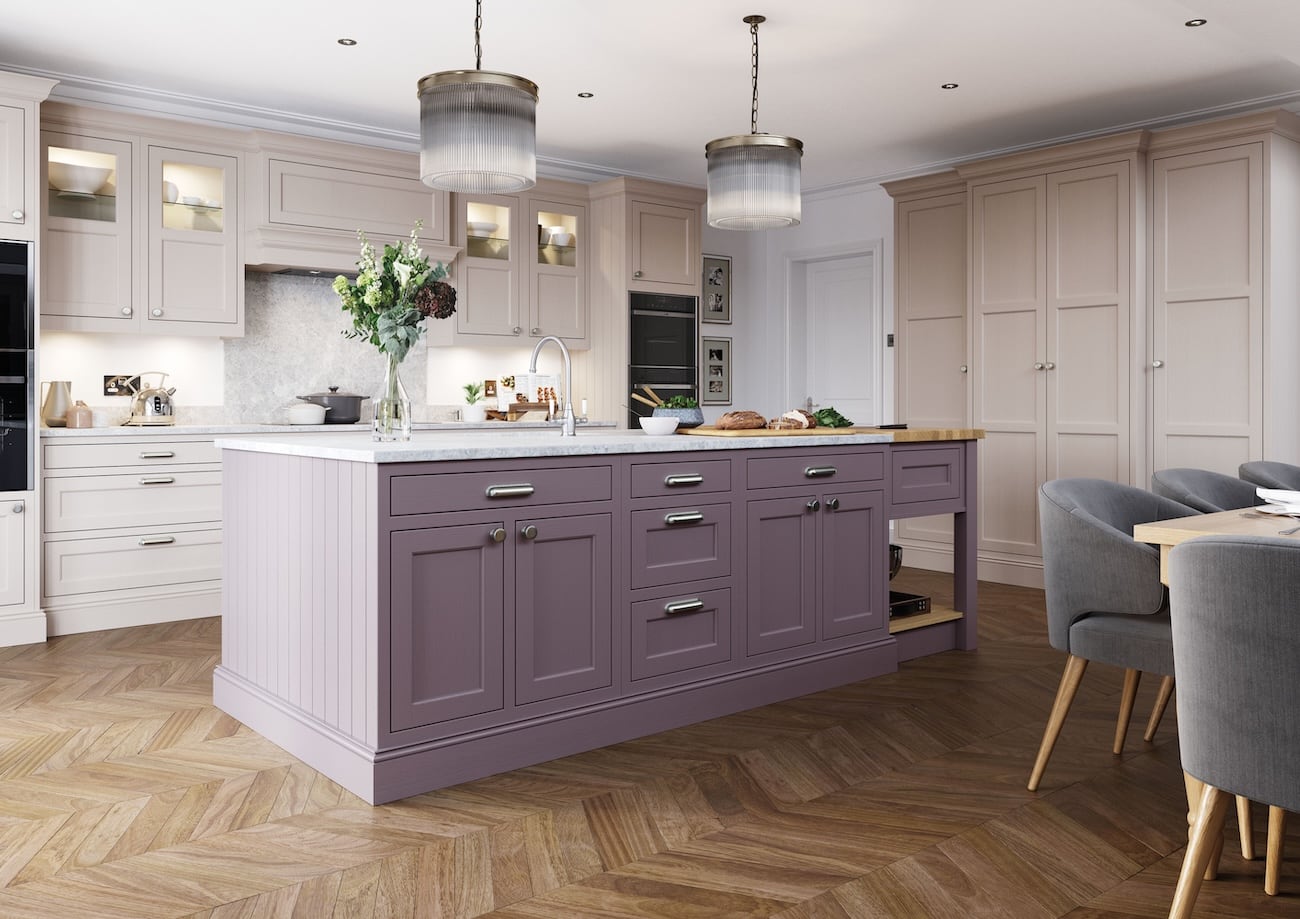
(20, 97)
(154, 248)
(665, 245)
(307, 199)
(131, 530)
(13, 552)
(1224, 327)
(522, 271)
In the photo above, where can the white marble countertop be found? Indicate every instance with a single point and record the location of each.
(361, 427)
(435, 445)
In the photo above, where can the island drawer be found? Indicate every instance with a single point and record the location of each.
(136, 453)
(680, 633)
(813, 469)
(431, 493)
(82, 566)
(676, 544)
(680, 477)
(924, 475)
(92, 502)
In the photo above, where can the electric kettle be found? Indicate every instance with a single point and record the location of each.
(151, 404)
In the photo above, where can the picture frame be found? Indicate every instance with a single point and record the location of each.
(715, 385)
(717, 289)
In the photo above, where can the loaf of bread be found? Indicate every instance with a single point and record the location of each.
(794, 420)
(741, 420)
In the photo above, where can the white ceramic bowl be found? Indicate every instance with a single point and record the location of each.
(481, 228)
(658, 427)
(306, 413)
(191, 200)
(80, 180)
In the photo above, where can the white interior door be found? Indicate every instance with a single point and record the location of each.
(842, 355)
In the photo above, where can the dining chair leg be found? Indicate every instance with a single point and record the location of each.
(1070, 680)
(1245, 828)
(1158, 710)
(1206, 833)
(1273, 855)
(1127, 698)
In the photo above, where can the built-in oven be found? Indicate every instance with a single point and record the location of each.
(662, 349)
(17, 368)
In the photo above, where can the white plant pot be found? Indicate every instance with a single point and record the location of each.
(474, 413)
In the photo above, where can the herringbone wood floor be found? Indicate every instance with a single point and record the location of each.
(124, 793)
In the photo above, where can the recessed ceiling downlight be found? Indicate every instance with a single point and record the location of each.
(347, 42)
(1195, 23)
(949, 85)
(585, 95)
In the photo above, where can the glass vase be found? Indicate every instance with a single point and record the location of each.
(392, 406)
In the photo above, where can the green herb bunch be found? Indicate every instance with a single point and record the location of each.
(392, 296)
(680, 402)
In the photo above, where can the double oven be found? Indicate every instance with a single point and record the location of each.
(662, 348)
(17, 368)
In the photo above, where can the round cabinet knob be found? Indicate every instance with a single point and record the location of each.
(1051, 366)
(535, 331)
(637, 273)
(126, 311)
(19, 508)
(16, 215)
(1038, 365)
(516, 330)
(529, 532)
(814, 505)
(156, 312)
(1157, 364)
(964, 369)
(497, 534)
(833, 504)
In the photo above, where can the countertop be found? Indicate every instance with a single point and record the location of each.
(361, 427)
(440, 445)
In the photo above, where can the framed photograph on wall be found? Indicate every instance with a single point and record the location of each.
(717, 289)
(715, 386)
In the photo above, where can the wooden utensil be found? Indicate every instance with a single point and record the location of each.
(653, 395)
(640, 398)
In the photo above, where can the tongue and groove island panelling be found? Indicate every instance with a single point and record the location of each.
(404, 617)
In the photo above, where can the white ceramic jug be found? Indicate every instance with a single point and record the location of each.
(57, 400)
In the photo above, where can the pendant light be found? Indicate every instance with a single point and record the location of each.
(753, 178)
(478, 128)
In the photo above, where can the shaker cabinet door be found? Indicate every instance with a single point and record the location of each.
(782, 574)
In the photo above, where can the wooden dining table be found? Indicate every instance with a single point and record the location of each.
(1168, 533)
(1242, 522)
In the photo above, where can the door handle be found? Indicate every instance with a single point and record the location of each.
(521, 490)
(683, 606)
(819, 472)
(684, 517)
(685, 478)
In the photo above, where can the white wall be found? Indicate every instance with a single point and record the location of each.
(832, 222)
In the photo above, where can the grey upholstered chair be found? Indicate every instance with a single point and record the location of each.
(1205, 491)
(1271, 474)
(1105, 601)
(1234, 611)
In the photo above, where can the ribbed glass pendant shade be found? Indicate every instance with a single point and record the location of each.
(753, 182)
(478, 131)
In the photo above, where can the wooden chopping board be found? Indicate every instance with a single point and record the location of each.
(708, 430)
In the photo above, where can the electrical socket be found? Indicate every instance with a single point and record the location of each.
(116, 384)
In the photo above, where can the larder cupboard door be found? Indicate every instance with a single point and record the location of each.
(1206, 365)
(1009, 338)
(1088, 312)
(447, 624)
(16, 212)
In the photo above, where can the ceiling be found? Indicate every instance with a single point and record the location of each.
(857, 80)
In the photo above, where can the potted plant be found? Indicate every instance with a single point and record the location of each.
(684, 408)
(474, 410)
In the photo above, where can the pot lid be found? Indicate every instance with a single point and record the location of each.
(332, 394)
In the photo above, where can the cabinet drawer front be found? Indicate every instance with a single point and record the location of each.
(680, 633)
(931, 474)
(687, 543)
(142, 454)
(327, 197)
(687, 477)
(136, 500)
(461, 491)
(79, 566)
(814, 469)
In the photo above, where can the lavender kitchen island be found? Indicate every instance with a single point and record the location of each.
(404, 617)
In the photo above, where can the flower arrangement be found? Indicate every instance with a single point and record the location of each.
(392, 296)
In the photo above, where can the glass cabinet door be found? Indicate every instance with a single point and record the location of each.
(487, 279)
(487, 230)
(557, 283)
(87, 232)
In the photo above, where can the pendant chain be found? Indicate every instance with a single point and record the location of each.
(753, 112)
(478, 43)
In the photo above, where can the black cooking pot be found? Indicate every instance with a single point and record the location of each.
(344, 408)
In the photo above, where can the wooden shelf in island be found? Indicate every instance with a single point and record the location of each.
(933, 616)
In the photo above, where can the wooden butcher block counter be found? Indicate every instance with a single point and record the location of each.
(899, 435)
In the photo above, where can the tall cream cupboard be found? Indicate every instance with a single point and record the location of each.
(1131, 305)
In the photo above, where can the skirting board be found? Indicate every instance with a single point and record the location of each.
(379, 777)
(127, 612)
(22, 628)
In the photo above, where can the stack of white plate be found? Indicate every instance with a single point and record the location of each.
(1280, 501)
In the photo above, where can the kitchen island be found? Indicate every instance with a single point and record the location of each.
(407, 616)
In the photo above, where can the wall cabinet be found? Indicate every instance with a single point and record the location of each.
(140, 235)
(665, 246)
(20, 97)
(522, 273)
(131, 531)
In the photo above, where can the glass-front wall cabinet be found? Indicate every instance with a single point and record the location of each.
(557, 238)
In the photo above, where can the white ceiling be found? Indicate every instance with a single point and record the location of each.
(856, 80)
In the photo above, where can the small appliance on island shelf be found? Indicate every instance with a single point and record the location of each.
(151, 405)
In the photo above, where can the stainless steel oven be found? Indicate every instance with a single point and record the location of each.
(662, 349)
(17, 368)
